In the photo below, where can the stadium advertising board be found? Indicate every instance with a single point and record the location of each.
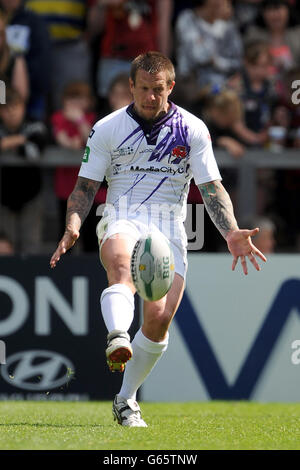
(234, 337)
(52, 334)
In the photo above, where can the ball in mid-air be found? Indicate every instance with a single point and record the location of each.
(152, 266)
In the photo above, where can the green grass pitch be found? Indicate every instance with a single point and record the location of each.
(171, 426)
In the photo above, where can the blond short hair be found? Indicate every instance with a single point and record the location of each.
(153, 62)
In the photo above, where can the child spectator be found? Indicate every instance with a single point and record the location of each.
(287, 201)
(71, 127)
(6, 245)
(254, 86)
(221, 110)
(118, 95)
(20, 186)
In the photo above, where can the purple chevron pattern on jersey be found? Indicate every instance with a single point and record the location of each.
(148, 165)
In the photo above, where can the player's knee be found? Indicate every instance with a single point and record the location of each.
(119, 272)
(158, 323)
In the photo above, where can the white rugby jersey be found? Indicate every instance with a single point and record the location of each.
(150, 165)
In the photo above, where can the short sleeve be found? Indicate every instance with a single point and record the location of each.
(97, 155)
(202, 159)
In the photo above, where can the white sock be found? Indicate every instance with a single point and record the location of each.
(146, 353)
(117, 305)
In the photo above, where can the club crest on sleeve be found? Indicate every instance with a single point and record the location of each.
(179, 151)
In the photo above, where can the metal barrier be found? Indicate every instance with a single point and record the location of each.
(246, 167)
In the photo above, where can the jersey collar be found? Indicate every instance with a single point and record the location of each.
(151, 129)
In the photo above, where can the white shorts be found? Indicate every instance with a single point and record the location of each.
(136, 230)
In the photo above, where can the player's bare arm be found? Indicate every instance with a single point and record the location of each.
(219, 207)
(79, 204)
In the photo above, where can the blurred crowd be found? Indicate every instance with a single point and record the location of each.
(66, 63)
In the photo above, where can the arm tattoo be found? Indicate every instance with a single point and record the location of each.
(218, 206)
(81, 199)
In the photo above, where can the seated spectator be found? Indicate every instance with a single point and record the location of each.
(71, 127)
(67, 24)
(254, 86)
(13, 68)
(27, 34)
(209, 48)
(20, 186)
(290, 100)
(275, 25)
(221, 109)
(287, 200)
(129, 29)
(6, 245)
(118, 95)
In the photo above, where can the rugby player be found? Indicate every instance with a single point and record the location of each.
(148, 152)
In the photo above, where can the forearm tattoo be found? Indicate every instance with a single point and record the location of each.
(81, 199)
(218, 206)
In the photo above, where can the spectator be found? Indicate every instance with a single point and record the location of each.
(209, 49)
(119, 94)
(254, 86)
(275, 26)
(13, 68)
(290, 100)
(130, 28)
(287, 201)
(6, 245)
(20, 186)
(71, 59)
(71, 126)
(221, 109)
(27, 34)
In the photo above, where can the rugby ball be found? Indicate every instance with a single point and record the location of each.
(152, 266)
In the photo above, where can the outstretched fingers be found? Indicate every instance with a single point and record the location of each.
(258, 253)
(252, 259)
(61, 250)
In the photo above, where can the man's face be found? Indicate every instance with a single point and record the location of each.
(150, 93)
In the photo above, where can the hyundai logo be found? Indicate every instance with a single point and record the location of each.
(37, 370)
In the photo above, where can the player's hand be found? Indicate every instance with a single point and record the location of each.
(68, 240)
(240, 246)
